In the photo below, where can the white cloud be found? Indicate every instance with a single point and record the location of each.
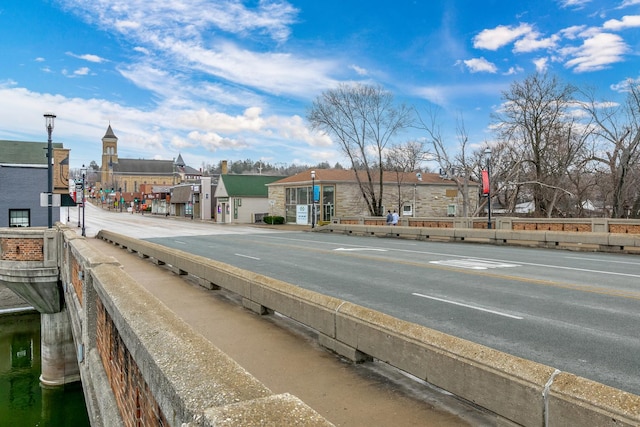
(573, 32)
(189, 18)
(596, 53)
(576, 4)
(623, 86)
(480, 65)
(211, 141)
(359, 70)
(88, 57)
(514, 70)
(542, 64)
(628, 21)
(276, 73)
(493, 39)
(628, 3)
(83, 71)
(532, 42)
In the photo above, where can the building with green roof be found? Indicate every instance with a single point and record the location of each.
(243, 198)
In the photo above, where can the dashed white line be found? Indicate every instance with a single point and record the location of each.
(247, 256)
(468, 306)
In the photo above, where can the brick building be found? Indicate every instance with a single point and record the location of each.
(123, 179)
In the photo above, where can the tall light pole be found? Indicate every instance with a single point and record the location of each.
(487, 154)
(49, 119)
(84, 199)
(313, 199)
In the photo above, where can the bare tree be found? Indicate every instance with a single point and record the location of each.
(457, 167)
(617, 145)
(536, 123)
(403, 158)
(362, 119)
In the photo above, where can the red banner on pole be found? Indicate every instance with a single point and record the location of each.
(485, 182)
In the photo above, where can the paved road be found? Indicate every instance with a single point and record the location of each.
(284, 356)
(576, 311)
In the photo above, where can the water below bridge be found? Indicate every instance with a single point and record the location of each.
(23, 401)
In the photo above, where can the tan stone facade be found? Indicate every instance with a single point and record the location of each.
(426, 196)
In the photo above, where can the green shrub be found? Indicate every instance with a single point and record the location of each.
(273, 219)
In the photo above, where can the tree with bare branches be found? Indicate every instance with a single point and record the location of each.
(362, 119)
(536, 123)
(458, 167)
(403, 158)
(616, 128)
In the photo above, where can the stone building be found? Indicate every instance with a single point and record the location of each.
(123, 180)
(338, 195)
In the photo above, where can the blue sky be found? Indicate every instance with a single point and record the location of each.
(228, 79)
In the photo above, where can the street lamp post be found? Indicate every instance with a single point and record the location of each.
(487, 153)
(49, 119)
(313, 199)
(84, 198)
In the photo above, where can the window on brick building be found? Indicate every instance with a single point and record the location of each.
(19, 218)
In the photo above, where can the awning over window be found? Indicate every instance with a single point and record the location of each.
(66, 200)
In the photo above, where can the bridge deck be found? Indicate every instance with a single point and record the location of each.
(287, 359)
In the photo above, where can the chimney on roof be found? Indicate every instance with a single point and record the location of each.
(223, 167)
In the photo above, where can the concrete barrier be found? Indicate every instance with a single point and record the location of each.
(149, 341)
(520, 391)
(586, 241)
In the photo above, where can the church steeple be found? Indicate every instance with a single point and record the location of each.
(109, 134)
(109, 153)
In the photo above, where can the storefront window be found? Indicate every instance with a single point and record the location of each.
(328, 202)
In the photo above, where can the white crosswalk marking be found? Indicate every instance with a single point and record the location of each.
(474, 264)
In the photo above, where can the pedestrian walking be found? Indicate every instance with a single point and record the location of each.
(394, 218)
(389, 217)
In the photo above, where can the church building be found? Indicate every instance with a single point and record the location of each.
(133, 175)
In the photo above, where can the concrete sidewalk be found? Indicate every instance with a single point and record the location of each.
(286, 358)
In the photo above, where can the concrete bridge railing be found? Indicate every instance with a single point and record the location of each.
(520, 391)
(587, 241)
(582, 225)
(141, 365)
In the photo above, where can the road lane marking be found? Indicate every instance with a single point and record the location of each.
(608, 261)
(247, 256)
(361, 249)
(598, 290)
(468, 306)
(474, 264)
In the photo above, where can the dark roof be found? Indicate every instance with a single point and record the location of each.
(179, 161)
(110, 133)
(181, 194)
(348, 175)
(247, 185)
(188, 170)
(143, 167)
(25, 152)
